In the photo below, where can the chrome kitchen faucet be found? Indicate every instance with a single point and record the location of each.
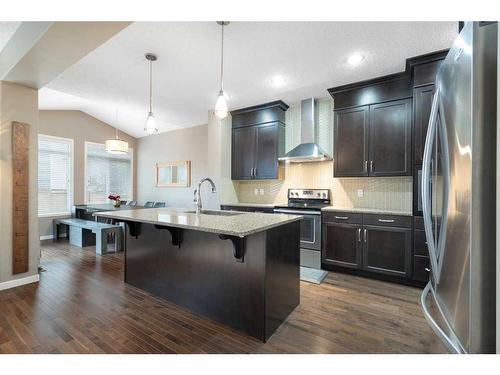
(197, 193)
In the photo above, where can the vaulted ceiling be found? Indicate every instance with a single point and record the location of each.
(111, 82)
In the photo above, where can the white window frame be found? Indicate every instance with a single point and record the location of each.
(71, 189)
(130, 150)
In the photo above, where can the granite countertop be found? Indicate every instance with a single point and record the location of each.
(367, 210)
(265, 205)
(239, 224)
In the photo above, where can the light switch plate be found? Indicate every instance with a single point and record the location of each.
(360, 193)
(261, 191)
(256, 191)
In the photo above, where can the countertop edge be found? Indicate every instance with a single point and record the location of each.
(116, 215)
(375, 211)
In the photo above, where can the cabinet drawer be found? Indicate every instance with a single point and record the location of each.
(387, 220)
(420, 243)
(342, 217)
(420, 267)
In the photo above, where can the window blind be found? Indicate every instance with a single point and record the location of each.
(107, 174)
(54, 175)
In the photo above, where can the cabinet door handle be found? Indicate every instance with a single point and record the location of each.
(342, 217)
(359, 234)
(252, 174)
(255, 172)
(427, 269)
(365, 235)
(366, 166)
(386, 220)
(371, 166)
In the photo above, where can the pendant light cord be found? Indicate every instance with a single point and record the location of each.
(150, 86)
(116, 124)
(222, 61)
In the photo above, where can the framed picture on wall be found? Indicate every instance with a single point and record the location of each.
(173, 174)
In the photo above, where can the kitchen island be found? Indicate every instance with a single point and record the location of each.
(240, 269)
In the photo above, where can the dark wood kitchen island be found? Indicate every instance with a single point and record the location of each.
(240, 269)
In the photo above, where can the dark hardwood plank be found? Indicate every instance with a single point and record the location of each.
(82, 305)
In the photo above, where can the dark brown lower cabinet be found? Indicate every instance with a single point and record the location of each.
(342, 244)
(371, 244)
(421, 270)
(387, 250)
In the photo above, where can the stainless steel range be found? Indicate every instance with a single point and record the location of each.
(308, 203)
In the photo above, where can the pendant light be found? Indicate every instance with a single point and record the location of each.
(116, 146)
(221, 103)
(150, 125)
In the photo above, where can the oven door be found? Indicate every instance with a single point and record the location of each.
(310, 227)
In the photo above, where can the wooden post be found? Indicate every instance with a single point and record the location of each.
(20, 197)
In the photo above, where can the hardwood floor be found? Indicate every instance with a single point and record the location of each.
(82, 305)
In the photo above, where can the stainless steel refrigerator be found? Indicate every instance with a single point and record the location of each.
(458, 193)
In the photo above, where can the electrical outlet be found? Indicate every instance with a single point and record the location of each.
(256, 191)
(360, 193)
(261, 191)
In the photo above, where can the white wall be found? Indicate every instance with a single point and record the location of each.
(185, 144)
(81, 128)
(17, 103)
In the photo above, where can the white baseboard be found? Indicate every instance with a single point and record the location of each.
(50, 236)
(19, 282)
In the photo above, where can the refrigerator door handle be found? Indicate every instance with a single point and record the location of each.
(452, 345)
(426, 178)
(440, 245)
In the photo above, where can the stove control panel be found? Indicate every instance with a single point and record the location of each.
(308, 194)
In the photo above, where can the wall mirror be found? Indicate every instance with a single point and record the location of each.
(173, 174)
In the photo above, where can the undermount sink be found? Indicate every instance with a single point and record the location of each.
(216, 213)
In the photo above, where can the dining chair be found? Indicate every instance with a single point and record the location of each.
(159, 204)
(132, 203)
(149, 204)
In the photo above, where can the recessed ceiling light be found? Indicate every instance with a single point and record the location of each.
(278, 80)
(355, 59)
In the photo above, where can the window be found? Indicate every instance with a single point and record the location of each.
(107, 174)
(55, 175)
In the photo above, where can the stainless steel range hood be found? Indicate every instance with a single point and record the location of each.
(308, 150)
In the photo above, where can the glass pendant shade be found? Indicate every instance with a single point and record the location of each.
(150, 126)
(221, 110)
(116, 146)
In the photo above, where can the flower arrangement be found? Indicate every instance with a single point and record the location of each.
(115, 199)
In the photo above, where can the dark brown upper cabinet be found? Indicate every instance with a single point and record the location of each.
(373, 140)
(373, 127)
(243, 160)
(351, 129)
(270, 145)
(374, 123)
(422, 103)
(258, 140)
(423, 69)
(390, 139)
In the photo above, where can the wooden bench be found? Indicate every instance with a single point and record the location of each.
(81, 233)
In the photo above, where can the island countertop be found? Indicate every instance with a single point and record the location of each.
(239, 224)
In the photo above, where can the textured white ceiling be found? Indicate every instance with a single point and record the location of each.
(7, 29)
(311, 55)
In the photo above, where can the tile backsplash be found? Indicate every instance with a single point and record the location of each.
(391, 193)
